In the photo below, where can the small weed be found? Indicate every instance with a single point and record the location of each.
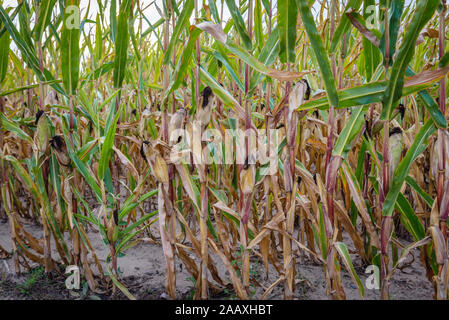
(35, 275)
(192, 292)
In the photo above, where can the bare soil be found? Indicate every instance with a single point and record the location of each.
(143, 272)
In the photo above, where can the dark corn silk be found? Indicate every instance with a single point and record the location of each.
(401, 108)
(206, 94)
(308, 90)
(280, 126)
(38, 116)
(367, 131)
(204, 110)
(144, 145)
(115, 214)
(60, 149)
(395, 130)
(246, 164)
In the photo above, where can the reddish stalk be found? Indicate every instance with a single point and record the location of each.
(441, 133)
(386, 222)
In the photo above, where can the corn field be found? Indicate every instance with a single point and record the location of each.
(258, 130)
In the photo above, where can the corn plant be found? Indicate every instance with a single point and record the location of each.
(260, 129)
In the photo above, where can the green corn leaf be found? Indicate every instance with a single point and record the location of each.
(120, 285)
(394, 22)
(343, 25)
(98, 72)
(267, 56)
(444, 61)
(45, 10)
(186, 58)
(370, 53)
(409, 218)
(320, 53)
(106, 149)
(401, 173)
(214, 10)
(423, 13)
(412, 183)
(266, 5)
(31, 86)
(128, 205)
(287, 18)
(350, 131)
(25, 30)
(80, 166)
(229, 68)
(373, 92)
(245, 56)
(113, 19)
(182, 22)
(11, 126)
(134, 42)
(344, 254)
(221, 92)
(70, 51)
(429, 103)
(431, 106)
(17, 10)
(5, 40)
(27, 51)
(258, 24)
(138, 222)
(25, 176)
(98, 40)
(239, 24)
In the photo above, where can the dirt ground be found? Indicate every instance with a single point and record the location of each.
(143, 272)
